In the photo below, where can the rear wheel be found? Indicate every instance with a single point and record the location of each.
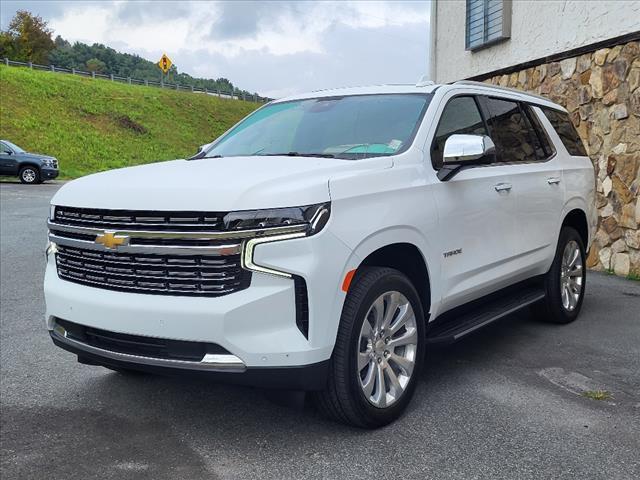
(565, 282)
(29, 175)
(379, 350)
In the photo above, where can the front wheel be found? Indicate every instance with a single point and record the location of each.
(29, 175)
(566, 280)
(379, 350)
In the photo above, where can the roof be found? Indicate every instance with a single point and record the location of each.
(524, 96)
(423, 88)
(368, 90)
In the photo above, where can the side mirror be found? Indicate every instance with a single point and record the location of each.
(469, 149)
(464, 150)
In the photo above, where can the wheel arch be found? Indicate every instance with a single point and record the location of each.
(407, 258)
(29, 163)
(577, 219)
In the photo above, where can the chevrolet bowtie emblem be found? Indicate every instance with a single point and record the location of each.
(112, 241)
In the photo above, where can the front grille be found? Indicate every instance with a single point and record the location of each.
(139, 345)
(192, 275)
(139, 219)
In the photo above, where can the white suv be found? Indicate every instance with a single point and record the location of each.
(326, 240)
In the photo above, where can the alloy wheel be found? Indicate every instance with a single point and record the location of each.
(571, 276)
(387, 348)
(29, 175)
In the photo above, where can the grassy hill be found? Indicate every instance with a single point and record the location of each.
(93, 125)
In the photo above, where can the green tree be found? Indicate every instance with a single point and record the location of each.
(95, 65)
(7, 45)
(27, 39)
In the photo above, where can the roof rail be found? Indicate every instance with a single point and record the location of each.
(498, 87)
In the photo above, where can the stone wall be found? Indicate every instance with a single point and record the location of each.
(601, 91)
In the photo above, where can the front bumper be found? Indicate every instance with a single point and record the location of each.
(256, 325)
(307, 377)
(48, 173)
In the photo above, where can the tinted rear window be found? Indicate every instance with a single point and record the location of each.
(544, 146)
(566, 131)
(511, 131)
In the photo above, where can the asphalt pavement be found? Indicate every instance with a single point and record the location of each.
(511, 401)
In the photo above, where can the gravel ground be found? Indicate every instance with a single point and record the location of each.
(507, 402)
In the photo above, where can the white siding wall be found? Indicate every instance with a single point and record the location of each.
(538, 28)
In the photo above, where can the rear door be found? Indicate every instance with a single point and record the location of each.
(477, 213)
(536, 175)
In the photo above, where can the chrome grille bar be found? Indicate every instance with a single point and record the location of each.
(161, 234)
(215, 250)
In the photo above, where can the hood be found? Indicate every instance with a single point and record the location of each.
(213, 184)
(36, 156)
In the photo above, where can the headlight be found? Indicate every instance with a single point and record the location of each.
(49, 162)
(310, 219)
(279, 224)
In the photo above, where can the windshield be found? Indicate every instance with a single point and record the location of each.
(350, 127)
(13, 146)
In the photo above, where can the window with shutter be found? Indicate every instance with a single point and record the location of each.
(488, 21)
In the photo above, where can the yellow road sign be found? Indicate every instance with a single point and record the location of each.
(165, 63)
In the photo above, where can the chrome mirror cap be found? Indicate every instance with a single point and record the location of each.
(468, 148)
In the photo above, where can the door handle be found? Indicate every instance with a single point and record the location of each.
(502, 187)
(553, 180)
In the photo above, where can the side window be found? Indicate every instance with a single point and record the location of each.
(566, 131)
(543, 146)
(460, 116)
(510, 131)
(4, 149)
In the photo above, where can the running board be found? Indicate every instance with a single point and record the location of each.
(455, 326)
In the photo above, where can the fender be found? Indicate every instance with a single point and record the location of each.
(393, 235)
(28, 163)
(579, 203)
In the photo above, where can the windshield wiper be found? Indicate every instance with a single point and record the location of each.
(201, 156)
(297, 154)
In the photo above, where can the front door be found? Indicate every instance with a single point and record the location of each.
(8, 161)
(477, 214)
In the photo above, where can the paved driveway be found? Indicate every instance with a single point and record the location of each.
(506, 403)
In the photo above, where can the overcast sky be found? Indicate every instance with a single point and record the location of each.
(274, 48)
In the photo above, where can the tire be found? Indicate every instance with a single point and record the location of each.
(30, 175)
(563, 299)
(353, 394)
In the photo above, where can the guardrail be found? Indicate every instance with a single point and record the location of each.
(135, 81)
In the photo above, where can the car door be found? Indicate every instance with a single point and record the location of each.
(477, 210)
(536, 176)
(8, 161)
